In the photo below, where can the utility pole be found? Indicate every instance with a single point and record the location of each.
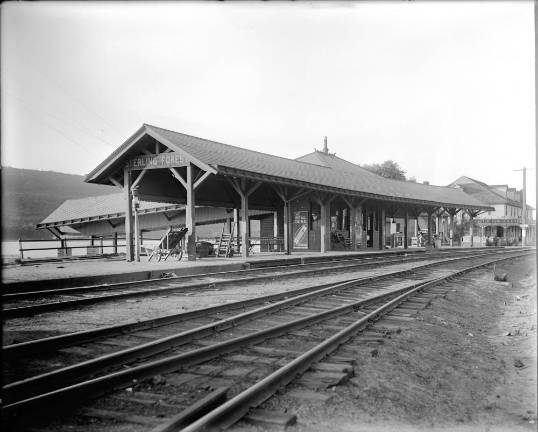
(524, 218)
(524, 209)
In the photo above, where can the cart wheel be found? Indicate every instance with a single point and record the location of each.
(180, 254)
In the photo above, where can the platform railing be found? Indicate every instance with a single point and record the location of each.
(115, 244)
(96, 245)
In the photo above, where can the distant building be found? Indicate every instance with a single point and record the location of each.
(504, 224)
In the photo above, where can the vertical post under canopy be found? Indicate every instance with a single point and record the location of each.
(190, 216)
(128, 215)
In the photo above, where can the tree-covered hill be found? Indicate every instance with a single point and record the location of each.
(29, 196)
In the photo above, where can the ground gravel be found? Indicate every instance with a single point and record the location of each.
(140, 308)
(467, 363)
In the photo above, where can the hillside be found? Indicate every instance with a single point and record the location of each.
(28, 196)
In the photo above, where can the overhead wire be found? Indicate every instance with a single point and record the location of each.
(69, 94)
(63, 120)
(59, 131)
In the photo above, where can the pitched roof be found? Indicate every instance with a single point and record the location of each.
(102, 207)
(105, 207)
(484, 192)
(330, 172)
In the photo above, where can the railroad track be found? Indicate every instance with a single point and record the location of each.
(116, 337)
(21, 304)
(220, 346)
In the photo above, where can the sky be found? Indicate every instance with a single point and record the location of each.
(444, 89)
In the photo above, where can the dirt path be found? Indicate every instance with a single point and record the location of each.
(468, 363)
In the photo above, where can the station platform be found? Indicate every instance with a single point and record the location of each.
(70, 273)
(96, 271)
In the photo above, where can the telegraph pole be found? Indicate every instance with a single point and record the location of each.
(524, 210)
(524, 218)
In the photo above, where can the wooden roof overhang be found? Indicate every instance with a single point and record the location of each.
(216, 190)
(116, 161)
(109, 216)
(339, 191)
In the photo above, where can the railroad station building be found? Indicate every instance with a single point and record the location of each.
(505, 224)
(317, 202)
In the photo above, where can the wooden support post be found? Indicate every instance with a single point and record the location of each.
(287, 198)
(471, 220)
(290, 227)
(115, 243)
(353, 227)
(358, 228)
(382, 221)
(406, 228)
(355, 221)
(275, 229)
(430, 228)
(190, 184)
(190, 215)
(245, 225)
(128, 215)
(237, 231)
(280, 225)
(286, 212)
(365, 228)
(244, 191)
(325, 226)
(451, 222)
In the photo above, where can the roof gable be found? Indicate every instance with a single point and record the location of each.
(328, 171)
(489, 194)
(125, 151)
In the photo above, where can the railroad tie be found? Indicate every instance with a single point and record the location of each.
(309, 395)
(194, 412)
(117, 416)
(320, 380)
(274, 418)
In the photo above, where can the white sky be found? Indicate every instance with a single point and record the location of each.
(443, 89)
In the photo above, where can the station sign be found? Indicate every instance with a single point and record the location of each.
(162, 160)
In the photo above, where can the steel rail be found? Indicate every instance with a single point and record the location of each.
(100, 385)
(231, 411)
(60, 341)
(59, 377)
(311, 261)
(97, 386)
(362, 259)
(66, 304)
(55, 342)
